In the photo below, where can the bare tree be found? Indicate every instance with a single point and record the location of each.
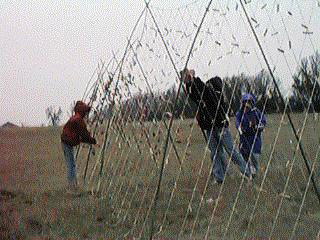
(54, 115)
(306, 82)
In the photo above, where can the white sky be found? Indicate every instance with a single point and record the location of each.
(49, 49)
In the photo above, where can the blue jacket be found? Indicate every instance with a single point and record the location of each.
(250, 127)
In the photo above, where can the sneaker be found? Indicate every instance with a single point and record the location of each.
(253, 170)
(216, 181)
(247, 176)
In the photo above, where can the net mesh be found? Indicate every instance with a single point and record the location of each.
(153, 164)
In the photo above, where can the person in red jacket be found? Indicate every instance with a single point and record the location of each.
(75, 132)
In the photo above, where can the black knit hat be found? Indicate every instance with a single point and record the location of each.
(215, 83)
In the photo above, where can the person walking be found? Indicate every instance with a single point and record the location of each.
(250, 123)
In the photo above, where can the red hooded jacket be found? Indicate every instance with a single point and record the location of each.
(75, 130)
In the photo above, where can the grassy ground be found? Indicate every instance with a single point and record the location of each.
(34, 204)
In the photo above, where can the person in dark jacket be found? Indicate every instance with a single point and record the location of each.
(250, 123)
(75, 132)
(213, 119)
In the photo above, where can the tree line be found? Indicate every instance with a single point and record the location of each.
(304, 94)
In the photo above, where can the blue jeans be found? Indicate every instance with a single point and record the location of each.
(220, 140)
(71, 165)
(254, 160)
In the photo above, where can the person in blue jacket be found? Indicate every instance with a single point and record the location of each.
(250, 123)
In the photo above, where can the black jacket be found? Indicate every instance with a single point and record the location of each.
(211, 112)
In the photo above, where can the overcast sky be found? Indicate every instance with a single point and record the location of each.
(49, 49)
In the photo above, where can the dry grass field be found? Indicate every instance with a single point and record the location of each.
(35, 205)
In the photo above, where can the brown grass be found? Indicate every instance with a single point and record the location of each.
(34, 204)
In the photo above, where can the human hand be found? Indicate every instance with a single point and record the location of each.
(187, 75)
(260, 127)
